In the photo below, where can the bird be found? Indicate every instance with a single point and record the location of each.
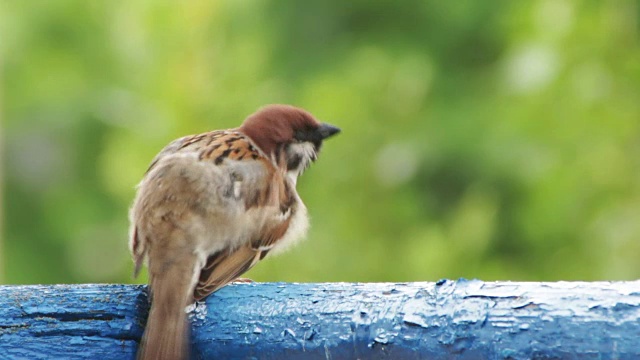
(211, 206)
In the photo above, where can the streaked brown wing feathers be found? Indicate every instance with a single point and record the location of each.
(287, 206)
(224, 267)
(229, 145)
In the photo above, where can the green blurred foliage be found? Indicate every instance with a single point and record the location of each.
(481, 139)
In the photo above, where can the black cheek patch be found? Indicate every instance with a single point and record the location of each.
(294, 162)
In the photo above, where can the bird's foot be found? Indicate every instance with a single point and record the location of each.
(242, 281)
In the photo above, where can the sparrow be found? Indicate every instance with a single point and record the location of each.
(211, 206)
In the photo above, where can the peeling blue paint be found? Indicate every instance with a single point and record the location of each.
(464, 319)
(71, 321)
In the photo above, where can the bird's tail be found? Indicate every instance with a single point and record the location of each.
(166, 335)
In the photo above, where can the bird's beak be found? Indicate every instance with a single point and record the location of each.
(327, 130)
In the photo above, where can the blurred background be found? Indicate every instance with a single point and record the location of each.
(481, 139)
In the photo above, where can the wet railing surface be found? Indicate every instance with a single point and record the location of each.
(464, 319)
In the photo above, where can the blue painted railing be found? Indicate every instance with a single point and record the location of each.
(449, 319)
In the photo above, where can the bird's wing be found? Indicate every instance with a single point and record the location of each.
(250, 183)
(227, 264)
(190, 143)
(224, 267)
(137, 243)
(173, 169)
(267, 191)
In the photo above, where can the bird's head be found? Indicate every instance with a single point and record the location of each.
(289, 134)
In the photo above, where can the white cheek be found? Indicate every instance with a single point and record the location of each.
(307, 152)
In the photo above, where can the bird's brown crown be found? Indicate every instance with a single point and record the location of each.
(274, 125)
